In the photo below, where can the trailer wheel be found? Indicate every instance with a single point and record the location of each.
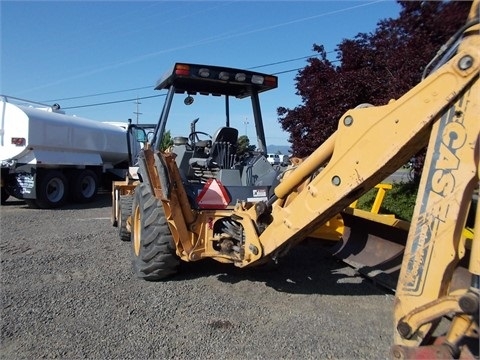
(84, 185)
(125, 203)
(52, 189)
(153, 249)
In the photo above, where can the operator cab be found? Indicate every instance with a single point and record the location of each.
(213, 149)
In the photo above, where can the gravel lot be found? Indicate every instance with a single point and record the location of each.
(68, 292)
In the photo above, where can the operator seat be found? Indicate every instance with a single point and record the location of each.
(223, 151)
(224, 147)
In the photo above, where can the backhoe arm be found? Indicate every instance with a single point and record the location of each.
(370, 144)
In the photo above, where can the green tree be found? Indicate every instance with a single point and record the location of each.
(244, 149)
(167, 141)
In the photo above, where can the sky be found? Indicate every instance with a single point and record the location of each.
(82, 53)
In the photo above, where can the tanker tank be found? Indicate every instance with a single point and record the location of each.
(54, 137)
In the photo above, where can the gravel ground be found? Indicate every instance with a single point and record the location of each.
(67, 291)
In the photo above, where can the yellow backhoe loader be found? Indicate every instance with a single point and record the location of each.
(202, 198)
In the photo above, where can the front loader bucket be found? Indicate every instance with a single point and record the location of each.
(374, 248)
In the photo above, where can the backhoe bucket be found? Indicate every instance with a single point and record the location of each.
(375, 249)
(374, 246)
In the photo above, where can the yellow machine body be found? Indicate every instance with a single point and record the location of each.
(192, 220)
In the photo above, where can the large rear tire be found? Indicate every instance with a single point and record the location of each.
(84, 185)
(153, 248)
(52, 189)
(125, 203)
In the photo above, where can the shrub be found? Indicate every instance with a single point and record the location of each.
(400, 200)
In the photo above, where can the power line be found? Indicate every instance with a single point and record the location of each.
(283, 61)
(153, 96)
(144, 97)
(225, 36)
(286, 71)
(113, 102)
(98, 94)
(151, 86)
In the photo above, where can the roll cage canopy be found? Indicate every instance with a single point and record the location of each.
(215, 80)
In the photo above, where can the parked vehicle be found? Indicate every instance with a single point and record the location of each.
(49, 158)
(273, 159)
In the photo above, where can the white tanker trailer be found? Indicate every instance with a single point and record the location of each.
(48, 158)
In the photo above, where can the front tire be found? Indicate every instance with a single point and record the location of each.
(153, 248)
(125, 203)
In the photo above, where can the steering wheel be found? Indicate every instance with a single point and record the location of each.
(193, 137)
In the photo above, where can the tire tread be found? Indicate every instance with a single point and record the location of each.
(157, 259)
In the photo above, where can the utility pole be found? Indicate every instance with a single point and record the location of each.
(137, 113)
(246, 124)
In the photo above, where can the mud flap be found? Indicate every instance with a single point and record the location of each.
(23, 184)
